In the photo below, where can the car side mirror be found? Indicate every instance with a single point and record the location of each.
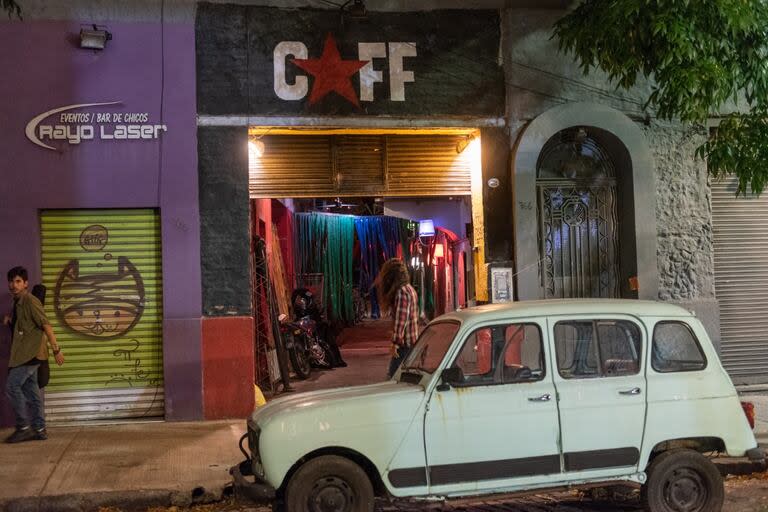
(451, 376)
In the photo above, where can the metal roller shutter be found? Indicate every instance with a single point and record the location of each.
(357, 165)
(740, 228)
(360, 164)
(427, 165)
(293, 166)
(102, 270)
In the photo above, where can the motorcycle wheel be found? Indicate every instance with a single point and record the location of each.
(330, 357)
(319, 354)
(299, 359)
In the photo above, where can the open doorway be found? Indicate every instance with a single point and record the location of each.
(332, 207)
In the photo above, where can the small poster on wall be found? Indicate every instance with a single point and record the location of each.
(501, 284)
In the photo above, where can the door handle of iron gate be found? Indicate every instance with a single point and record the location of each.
(543, 398)
(633, 391)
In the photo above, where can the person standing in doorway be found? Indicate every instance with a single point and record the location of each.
(28, 324)
(396, 295)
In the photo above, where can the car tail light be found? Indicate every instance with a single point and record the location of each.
(749, 412)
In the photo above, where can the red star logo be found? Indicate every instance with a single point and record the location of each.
(331, 73)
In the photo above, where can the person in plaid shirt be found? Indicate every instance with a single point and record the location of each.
(396, 295)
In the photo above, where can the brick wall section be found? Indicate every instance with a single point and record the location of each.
(228, 367)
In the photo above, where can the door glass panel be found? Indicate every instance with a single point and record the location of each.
(523, 355)
(578, 233)
(620, 347)
(575, 345)
(597, 348)
(502, 354)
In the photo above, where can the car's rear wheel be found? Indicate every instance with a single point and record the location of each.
(682, 481)
(329, 484)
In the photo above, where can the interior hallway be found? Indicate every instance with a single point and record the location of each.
(365, 348)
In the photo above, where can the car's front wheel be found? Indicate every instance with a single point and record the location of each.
(682, 481)
(329, 484)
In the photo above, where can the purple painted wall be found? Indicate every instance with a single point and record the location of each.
(148, 68)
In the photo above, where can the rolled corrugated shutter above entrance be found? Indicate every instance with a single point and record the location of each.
(355, 165)
(741, 281)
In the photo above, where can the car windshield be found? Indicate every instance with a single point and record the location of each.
(431, 347)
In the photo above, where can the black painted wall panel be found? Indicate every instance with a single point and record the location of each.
(221, 45)
(456, 70)
(497, 205)
(224, 220)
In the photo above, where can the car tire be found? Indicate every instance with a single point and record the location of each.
(682, 480)
(329, 483)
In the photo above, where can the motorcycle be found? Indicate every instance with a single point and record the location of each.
(305, 347)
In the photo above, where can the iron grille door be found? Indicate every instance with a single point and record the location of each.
(578, 232)
(579, 245)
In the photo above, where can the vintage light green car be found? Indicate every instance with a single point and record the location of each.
(509, 398)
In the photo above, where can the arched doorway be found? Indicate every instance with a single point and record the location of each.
(576, 192)
(622, 145)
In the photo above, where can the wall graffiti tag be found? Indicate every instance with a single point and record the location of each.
(94, 238)
(102, 305)
(134, 373)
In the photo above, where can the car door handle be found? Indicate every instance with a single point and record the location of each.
(633, 391)
(542, 398)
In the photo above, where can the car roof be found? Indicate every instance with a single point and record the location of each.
(530, 308)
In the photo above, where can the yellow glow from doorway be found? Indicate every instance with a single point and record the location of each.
(474, 156)
(255, 149)
(275, 130)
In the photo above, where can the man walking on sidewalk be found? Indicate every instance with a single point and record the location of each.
(28, 325)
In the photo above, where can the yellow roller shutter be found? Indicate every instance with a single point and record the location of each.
(361, 165)
(103, 273)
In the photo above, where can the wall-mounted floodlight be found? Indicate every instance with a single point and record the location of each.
(94, 38)
(256, 148)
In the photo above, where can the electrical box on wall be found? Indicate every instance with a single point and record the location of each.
(501, 284)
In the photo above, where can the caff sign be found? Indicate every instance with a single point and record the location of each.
(78, 123)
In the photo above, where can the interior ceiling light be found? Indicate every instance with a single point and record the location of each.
(256, 148)
(94, 38)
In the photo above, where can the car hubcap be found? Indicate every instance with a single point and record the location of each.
(331, 494)
(685, 491)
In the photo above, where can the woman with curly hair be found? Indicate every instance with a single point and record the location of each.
(396, 295)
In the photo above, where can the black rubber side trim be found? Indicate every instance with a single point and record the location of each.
(596, 459)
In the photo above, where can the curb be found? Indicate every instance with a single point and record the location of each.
(124, 500)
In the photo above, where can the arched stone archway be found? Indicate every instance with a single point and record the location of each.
(637, 192)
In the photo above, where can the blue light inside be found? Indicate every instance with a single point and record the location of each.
(426, 227)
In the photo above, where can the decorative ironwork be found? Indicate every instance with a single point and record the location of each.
(576, 185)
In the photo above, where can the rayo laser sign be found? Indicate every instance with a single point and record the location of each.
(78, 123)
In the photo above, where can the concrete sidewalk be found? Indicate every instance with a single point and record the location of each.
(139, 464)
(136, 466)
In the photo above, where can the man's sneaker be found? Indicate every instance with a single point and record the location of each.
(24, 434)
(41, 435)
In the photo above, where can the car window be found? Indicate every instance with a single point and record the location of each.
(431, 347)
(676, 349)
(597, 348)
(502, 354)
(619, 346)
(576, 349)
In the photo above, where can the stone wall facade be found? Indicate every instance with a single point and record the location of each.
(540, 78)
